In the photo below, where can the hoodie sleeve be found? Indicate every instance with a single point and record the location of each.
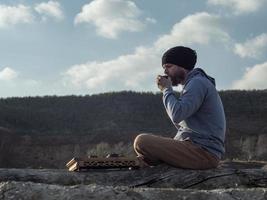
(188, 103)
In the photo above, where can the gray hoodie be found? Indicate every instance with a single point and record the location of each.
(198, 113)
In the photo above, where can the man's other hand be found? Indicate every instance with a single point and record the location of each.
(163, 82)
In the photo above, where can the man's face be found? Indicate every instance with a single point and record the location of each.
(175, 72)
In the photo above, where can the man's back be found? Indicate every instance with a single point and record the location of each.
(199, 113)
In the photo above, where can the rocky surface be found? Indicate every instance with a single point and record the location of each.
(28, 190)
(231, 180)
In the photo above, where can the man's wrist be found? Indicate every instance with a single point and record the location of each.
(167, 89)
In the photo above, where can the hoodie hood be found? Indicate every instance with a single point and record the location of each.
(199, 72)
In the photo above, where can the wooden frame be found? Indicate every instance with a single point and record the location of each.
(83, 164)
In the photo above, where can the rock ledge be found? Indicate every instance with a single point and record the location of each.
(232, 180)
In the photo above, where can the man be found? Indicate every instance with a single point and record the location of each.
(198, 115)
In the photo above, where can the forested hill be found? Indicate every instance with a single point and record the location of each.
(108, 112)
(120, 112)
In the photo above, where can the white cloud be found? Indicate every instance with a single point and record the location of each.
(200, 28)
(8, 74)
(151, 20)
(111, 17)
(253, 48)
(11, 15)
(254, 78)
(50, 9)
(13, 84)
(126, 72)
(26, 87)
(239, 6)
(138, 70)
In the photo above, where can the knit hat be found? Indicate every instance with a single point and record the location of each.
(181, 56)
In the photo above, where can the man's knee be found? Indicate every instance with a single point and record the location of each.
(141, 141)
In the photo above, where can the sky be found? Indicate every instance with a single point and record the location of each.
(62, 47)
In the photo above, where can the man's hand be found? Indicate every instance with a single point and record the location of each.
(163, 82)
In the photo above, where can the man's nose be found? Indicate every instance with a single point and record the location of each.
(165, 71)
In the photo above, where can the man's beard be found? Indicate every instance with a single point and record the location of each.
(176, 80)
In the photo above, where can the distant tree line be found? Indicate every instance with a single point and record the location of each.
(116, 112)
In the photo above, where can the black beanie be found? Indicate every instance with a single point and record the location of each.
(181, 56)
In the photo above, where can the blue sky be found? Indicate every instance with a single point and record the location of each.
(88, 47)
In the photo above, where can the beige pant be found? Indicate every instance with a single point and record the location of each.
(154, 150)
